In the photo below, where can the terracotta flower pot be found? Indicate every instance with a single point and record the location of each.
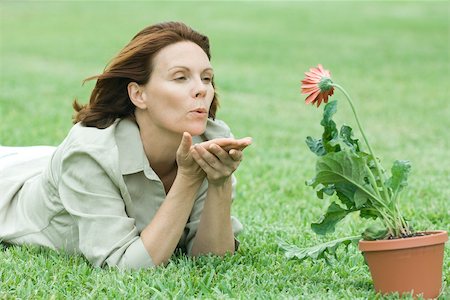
(407, 265)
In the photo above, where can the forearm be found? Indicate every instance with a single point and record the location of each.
(214, 233)
(162, 235)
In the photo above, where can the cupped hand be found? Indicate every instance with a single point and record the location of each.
(219, 158)
(187, 165)
(228, 143)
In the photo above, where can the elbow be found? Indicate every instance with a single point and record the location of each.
(218, 250)
(161, 262)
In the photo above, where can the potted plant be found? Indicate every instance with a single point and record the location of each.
(399, 258)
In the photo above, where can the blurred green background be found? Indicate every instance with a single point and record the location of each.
(392, 57)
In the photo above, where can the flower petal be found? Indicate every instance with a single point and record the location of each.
(312, 97)
(310, 81)
(310, 90)
(313, 76)
(317, 72)
(309, 85)
(319, 99)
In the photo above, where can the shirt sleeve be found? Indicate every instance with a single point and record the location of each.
(90, 192)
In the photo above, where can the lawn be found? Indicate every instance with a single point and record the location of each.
(393, 57)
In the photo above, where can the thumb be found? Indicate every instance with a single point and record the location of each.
(186, 143)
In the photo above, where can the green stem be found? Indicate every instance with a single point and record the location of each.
(390, 224)
(377, 166)
(404, 225)
(372, 180)
(386, 219)
(395, 200)
(375, 187)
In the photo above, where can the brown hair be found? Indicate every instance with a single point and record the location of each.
(109, 98)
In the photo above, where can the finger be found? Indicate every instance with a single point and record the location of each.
(208, 157)
(236, 154)
(229, 143)
(247, 141)
(185, 144)
(220, 153)
(202, 163)
(221, 142)
(240, 144)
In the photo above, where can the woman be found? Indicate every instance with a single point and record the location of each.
(145, 169)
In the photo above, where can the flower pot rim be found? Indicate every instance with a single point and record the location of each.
(433, 237)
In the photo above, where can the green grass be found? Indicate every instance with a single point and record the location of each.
(393, 57)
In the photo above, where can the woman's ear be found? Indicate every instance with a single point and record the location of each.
(135, 92)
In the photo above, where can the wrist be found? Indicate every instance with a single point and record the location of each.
(223, 184)
(190, 179)
(219, 182)
(220, 194)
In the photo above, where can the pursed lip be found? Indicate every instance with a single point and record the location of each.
(200, 110)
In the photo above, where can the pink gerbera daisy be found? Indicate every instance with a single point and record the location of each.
(318, 85)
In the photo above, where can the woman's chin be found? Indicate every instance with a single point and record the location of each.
(197, 130)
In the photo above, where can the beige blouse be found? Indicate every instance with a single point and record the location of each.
(93, 196)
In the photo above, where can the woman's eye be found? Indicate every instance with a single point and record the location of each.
(207, 79)
(180, 78)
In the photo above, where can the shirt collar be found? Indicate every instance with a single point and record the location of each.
(132, 158)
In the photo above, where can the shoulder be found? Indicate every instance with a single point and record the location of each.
(217, 129)
(88, 145)
(91, 137)
(115, 148)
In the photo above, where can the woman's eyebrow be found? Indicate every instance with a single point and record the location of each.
(188, 69)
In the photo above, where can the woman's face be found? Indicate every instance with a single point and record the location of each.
(179, 92)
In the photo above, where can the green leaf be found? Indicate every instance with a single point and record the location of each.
(343, 168)
(360, 198)
(316, 146)
(368, 213)
(399, 178)
(329, 110)
(332, 140)
(330, 133)
(375, 231)
(346, 172)
(319, 251)
(346, 134)
(350, 195)
(345, 193)
(328, 190)
(334, 214)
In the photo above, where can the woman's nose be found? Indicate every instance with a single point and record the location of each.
(200, 89)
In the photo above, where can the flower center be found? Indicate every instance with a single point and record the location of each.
(325, 84)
